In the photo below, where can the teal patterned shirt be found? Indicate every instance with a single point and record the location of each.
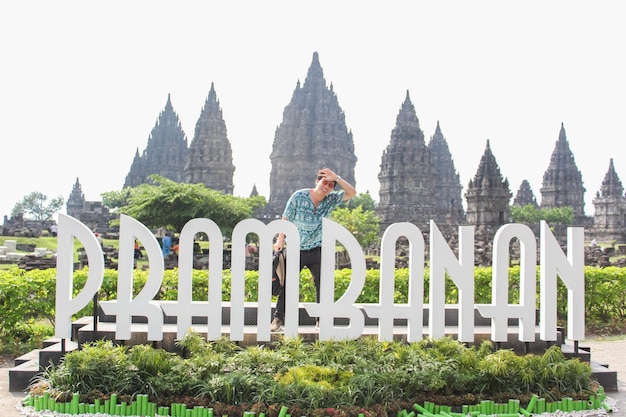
(307, 218)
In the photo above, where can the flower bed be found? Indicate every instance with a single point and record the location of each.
(364, 377)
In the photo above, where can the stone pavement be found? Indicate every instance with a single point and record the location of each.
(613, 354)
(609, 352)
(8, 400)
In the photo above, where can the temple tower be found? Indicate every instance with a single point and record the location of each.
(609, 219)
(488, 196)
(562, 181)
(312, 135)
(448, 188)
(137, 174)
(91, 213)
(76, 201)
(407, 174)
(165, 152)
(525, 196)
(210, 157)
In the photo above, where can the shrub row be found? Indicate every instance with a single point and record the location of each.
(31, 294)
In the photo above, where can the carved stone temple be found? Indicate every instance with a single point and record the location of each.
(448, 189)
(610, 209)
(418, 181)
(488, 196)
(312, 135)
(562, 181)
(207, 160)
(165, 152)
(91, 213)
(407, 174)
(525, 196)
(210, 157)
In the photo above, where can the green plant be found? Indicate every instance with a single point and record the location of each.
(319, 375)
(24, 296)
(152, 361)
(28, 335)
(259, 360)
(314, 375)
(97, 367)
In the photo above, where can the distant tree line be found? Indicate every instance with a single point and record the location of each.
(531, 214)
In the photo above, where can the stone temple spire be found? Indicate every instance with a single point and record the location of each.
(525, 196)
(165, 152)
(611, 184)
(610, 205)
(488, 195)
(448, 188)
(138, 173)
(312, 135)
(210, 157)
(76, 201)
(407, 174)
(562, 181)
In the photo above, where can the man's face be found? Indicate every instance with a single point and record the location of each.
(324, 186)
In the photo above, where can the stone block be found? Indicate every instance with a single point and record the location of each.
(3, 250)
(21, 376)
(605, 376)
(25, 247)
(13, 256)
(53, 354)
(41, 251)
(11, 245)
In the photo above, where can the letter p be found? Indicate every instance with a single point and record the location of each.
(66, 306)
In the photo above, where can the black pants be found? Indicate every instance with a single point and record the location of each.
(311, 259)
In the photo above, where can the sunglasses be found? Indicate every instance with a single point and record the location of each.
(326, 182)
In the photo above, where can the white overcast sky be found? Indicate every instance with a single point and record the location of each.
(82, 82)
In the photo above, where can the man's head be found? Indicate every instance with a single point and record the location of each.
(330, 184)
(324, 186)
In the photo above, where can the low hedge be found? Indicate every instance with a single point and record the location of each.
(31, 294)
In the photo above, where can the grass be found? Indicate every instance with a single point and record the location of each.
(47, 242)
(50, 243)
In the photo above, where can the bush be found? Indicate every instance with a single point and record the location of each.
(31, 294)
(363, 373)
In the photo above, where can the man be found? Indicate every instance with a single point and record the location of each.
(167, 244)
(305, 209)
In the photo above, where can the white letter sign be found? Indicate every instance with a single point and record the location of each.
(443, 263)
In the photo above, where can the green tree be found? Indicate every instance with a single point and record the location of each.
(364, 200)
(559, 215)
(531, 214)
(166, 203)
(524, 214)
(36, 204)
(116, 199)
(363, 224)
